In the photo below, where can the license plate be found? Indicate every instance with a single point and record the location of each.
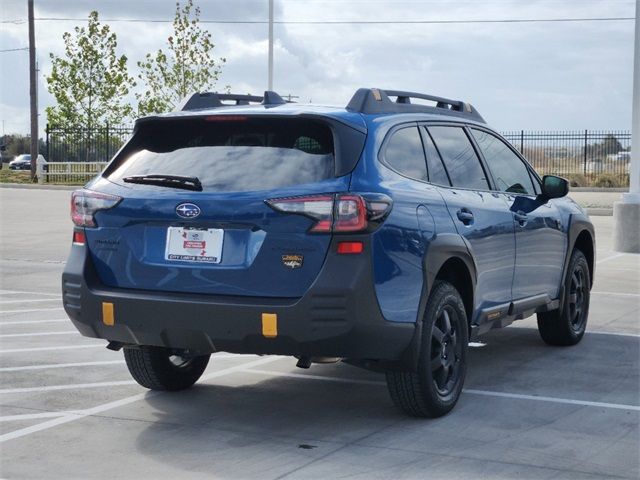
(201, 245)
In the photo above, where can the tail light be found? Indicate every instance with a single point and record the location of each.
(337, 213)
(85, 203)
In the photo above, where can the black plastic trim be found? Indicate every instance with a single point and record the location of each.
(377, 101)
(338, 316)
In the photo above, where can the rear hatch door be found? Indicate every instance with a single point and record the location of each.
(224, 239)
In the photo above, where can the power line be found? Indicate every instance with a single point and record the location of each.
(13, 49)
(350, 22)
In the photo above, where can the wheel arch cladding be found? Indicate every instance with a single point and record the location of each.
(584, 243)
(456, 271)
(448, 261)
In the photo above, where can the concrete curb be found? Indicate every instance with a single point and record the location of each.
(598, 189)
(28, 186)
(600, 212)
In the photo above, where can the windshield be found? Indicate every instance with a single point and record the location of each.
(240, 154)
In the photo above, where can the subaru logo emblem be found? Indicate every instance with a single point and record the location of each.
(188, 210)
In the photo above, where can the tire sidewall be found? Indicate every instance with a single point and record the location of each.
(577, 260)
(442, 295)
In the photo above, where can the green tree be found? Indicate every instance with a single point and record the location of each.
(188, 66)
(90, 81)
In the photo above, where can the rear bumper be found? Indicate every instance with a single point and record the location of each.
(339, 315)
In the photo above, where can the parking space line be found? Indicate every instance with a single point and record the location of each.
(11, 292)
(616, 334)
(44, 349)
(38, 334)
(47, 366)
(621, 294)
(30, 310)
(30, 300)
(34, 416)
(30, 322)
(584, 403)
(71, 386)
(120, 403)
(569, 401)
(612, 257)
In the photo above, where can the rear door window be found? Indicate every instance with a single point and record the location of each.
(459, 157)
(234, 153)
(404, 153)
(437, 173)
(508, 170)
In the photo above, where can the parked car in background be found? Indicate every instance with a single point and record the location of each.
(23, 162)
(623, 156)
(597, 165)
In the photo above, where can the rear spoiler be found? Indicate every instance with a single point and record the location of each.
(207, 100)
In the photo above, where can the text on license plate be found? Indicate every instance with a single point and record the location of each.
(194, 244)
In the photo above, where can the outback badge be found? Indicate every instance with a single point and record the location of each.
(292, 260)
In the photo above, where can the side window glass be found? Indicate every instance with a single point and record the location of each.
(508, 170)
(437, 173)
(404, 153)
(459, 157)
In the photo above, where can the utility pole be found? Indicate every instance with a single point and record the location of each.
(33, 93)
(626, 213)
(270, 82)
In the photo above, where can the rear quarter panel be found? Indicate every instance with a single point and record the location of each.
(400, 244)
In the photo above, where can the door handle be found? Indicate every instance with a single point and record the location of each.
(465, 216)
(521, 217)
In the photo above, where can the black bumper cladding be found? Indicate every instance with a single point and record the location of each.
(339, 315)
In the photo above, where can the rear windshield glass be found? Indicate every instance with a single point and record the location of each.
(234, 154)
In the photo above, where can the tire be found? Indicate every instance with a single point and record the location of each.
(566, 325)
(158, 368)
(434, 389)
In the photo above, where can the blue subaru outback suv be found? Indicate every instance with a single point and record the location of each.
(387, 234)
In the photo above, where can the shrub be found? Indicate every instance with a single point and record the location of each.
(577, 180)
(607, 180)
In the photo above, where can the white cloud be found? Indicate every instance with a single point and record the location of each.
(530, 76)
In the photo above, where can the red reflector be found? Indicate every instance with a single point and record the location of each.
(346, 248)
(79, 238)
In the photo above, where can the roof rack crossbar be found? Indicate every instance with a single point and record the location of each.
(377, 101)
(206, 100)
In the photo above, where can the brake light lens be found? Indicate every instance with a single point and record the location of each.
(337, 213)
(225, 118)
(85, 203)
(351, 214)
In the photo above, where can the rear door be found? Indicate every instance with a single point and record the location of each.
(480, 216)
(224, 239)
(540, 239)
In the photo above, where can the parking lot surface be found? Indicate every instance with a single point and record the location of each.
(69, 409)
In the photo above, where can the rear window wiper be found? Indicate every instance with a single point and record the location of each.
(175, 181)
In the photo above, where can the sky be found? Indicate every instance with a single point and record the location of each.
(531, 76)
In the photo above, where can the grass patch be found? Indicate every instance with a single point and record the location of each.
(14, 176)
(23, 176)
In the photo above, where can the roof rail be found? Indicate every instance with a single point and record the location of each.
(376, 101)
(198, 101)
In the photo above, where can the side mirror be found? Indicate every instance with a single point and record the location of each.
(554, 187)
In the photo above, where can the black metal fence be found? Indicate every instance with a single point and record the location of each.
(586, 158)
(85, 144)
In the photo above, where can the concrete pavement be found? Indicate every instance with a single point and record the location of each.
(68, 408)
